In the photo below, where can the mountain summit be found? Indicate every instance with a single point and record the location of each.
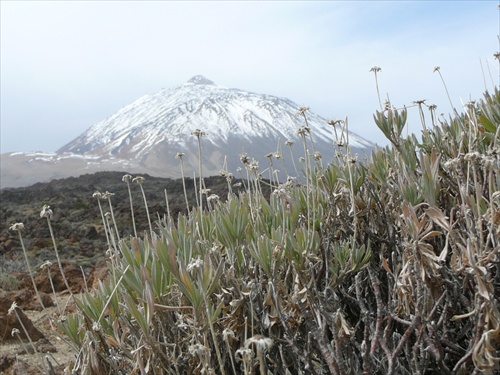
(154, 128)
(146, 135)
(200, 80)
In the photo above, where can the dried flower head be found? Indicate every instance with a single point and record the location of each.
(46, 264)
(198, 349)
(289, 143)
(317, 155)
(228, 333)
(139, 179)
(126, 178)
(419, 102)
(243, 354)
(15, 332)
(46, 212)
(253, 165)
(12, 308)
(244, 158)
(302, 111)
(107, 194)
(335, 122)
(179, 155)
(96, 327)
(262, 343)
(436, 69)
(198, 133)
(194, 264)
(213, 198)
(17, 226)
(303, 130)
(97, 195)
(375, 69)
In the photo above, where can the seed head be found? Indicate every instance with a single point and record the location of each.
(107, 194)
(262, 343)
(194, 264)
(12, 308)
(96, 326)
(97, 195)
(302, 111)
(375, 69)
(244, 158)
(126, 178)
(15, 332)
(289, 143)
(46, 212)
(335, 122)
(179, 155)
(17, 226)
(214, 197)
(228, 333)
(198, 133)
(436, 69)
(303, 130)
(46, 264)
(139, 180)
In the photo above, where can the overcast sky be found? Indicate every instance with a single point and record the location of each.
(66, 65)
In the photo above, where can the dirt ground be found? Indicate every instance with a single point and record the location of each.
(14, 358)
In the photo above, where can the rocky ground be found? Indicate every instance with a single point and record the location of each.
(81, 243)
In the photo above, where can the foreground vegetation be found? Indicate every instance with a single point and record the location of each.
(384, 266)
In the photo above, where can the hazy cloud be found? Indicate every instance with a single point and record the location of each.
(67, 65)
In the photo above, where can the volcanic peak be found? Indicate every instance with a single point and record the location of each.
(200, 80)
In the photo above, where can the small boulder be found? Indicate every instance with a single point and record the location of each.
(8, 322)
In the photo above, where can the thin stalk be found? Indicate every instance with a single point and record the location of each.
(375, 70)
(127, 178)
(168, 209)
(214, 337)
(58, 257)
(179, 156)
(107, 195)
(29, 339)
(98, 196)
(48, 264)
(18, 227)
(140, 180)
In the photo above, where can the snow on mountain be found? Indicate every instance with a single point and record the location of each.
(145, 137)
(169, 117)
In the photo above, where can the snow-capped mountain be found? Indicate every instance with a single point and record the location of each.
(146, 136)
(156, 127)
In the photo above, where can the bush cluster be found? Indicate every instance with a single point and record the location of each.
(388, 265)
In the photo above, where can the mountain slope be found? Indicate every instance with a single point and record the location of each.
(146, 135)
(170, 116)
